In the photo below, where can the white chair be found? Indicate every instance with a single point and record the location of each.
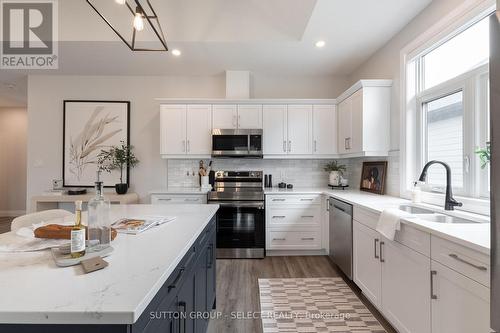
(47, 215)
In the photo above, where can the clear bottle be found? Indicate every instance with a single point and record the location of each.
(78, 233)
(99, 222)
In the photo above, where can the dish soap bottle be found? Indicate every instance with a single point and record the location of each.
(78, 233)
(99, 220)
(416, 194)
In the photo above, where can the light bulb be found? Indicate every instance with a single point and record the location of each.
(120, 2)
(320, 43)
(138, 22)
(176, 52)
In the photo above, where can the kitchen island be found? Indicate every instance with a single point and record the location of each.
(164, 270)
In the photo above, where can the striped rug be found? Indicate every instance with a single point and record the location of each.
(313, 305)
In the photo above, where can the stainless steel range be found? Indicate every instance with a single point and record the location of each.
(241, 217)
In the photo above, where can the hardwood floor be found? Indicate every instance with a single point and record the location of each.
(238, 290)
(5, 224)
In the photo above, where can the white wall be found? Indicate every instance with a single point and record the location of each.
(45, 115)
(13, 132)
(385, 63)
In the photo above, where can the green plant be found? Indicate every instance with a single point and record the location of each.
(335, 166)
(484, 155)
(117, 158)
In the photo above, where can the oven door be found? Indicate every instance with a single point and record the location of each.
(241, 230)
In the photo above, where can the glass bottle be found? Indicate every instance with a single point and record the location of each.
(99, 222)
(78, 233)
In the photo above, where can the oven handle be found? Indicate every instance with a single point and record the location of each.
(235, 204)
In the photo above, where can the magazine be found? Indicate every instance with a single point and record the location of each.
(136, 225)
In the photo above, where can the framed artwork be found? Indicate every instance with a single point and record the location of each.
(89, 127)
(373, 177)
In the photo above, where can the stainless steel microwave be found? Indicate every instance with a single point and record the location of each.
(237, 143)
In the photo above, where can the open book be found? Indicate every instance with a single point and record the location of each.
(136, 225)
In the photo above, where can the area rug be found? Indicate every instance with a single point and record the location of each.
(313, 305)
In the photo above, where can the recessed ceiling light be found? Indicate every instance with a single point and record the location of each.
(320, 43)
(176, 52)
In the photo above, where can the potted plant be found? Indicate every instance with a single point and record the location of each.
(484, 155)
(336, 170)
(118, 158)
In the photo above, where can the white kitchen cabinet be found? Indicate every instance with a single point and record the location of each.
(324, 130)
(405, 287)
(185, 130)
(275, 129)
(225, 116)
(231, 116)
(460, 305)
(367, 270)
(299, 129)
(250, 116)
(364, 119)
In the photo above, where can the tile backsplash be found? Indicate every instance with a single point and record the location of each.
(300, 173)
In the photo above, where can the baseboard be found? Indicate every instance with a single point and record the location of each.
(284, 253)
(12, 213)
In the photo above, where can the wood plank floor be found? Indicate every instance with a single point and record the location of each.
(238, 290)
(5, 224)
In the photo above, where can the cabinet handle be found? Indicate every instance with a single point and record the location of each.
(210, 255)
(289, 146)
(381, 247)
(188, 146)
(339, 208)
(279, 239)
(239, 120)
(191, 200)
(433, 296)
(375, 249)
(278, 217)
(456, 257)
(177, 279)
(315, 146)
(349, 143)
(307, 216)
(306, 199)
(284, 146)
(308, 238)
(345, 144)
(164, 199)
(182, 326)
(327, 205)
(278, 199)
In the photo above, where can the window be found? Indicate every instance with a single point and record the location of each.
(447, 113)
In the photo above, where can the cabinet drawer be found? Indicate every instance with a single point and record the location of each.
(470, 263)
(366, 217)
(310, 199)
(167, 199)
(294, 240)
(307, 217)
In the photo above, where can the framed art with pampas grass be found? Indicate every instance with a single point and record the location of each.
(90, 127)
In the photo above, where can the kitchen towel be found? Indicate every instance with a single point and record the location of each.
(390, 221)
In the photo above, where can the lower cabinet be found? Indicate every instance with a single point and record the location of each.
(459, 304)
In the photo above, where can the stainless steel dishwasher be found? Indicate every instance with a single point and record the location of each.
(341, 235)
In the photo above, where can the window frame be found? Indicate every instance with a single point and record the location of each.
(411, 84)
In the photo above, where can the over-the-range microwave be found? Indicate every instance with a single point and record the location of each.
(237, 143)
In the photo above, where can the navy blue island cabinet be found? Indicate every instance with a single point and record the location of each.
(182, 305)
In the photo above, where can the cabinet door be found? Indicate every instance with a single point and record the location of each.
(185, 303)
(366, 260)
(275, 135)
(173, 129)
(225, 116)
(356, 137)
(324, 130)
(299, 129)
(461, 305)
(405, 288)
(199, 130)
(344, 125)
(250, 116)
(200, 303)
(211, 271)
(165, 320)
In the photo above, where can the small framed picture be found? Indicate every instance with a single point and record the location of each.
(373, 177)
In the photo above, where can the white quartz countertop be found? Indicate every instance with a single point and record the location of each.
(180, 190)
(34, 290)
(473, 235)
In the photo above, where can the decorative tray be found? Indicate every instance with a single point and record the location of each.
(338, 187)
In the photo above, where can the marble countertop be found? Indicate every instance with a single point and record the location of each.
(35, 290)
(180, 190)
(474, 235)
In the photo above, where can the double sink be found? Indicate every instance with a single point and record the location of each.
(431, 216)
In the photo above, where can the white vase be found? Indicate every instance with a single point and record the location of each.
(334, 178)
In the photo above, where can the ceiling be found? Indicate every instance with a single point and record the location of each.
(275, 37)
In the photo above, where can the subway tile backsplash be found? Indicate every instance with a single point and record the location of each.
(300, 173)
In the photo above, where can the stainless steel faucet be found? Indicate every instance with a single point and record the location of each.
(449, 202)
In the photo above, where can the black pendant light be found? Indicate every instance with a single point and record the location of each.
(142, 13)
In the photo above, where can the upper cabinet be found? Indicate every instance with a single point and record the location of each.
(324, 130)
(364, 119)
(185, 130)
(231, 116)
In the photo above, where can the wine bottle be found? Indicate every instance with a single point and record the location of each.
(78, 233)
